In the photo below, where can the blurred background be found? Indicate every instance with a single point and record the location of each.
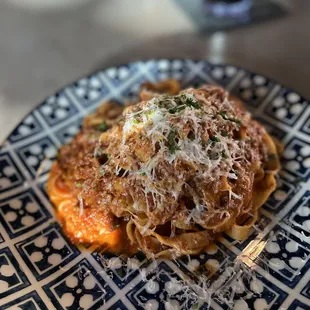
(46, 44)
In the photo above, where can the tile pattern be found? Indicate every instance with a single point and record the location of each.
(79, 288)
(287, 256)
(69, 131)
(57, 109)
(38, 156)
(46, 252)
(10, 175)
(30, 301)
(22, 212)
(253, 89)
(121, 270)
(12, 278)
(297, 158)
(33, 250)
(286, 107)
(220, 73)
(27, 128)
(160, 288)
(88, 90)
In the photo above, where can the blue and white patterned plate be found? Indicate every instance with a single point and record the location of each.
(40, 269)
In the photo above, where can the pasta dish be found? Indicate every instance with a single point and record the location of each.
(164, 175)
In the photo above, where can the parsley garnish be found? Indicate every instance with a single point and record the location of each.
(120, 272)
(214, 139)
(136, 121)
(176, 109)
(103, 126)
(78, 184)
(272, 156)
(226, 118)
(195, 306)
(172, 144)
(191, 103)
(182, 101)
(224, 155)
(223, 114)
(116, 225)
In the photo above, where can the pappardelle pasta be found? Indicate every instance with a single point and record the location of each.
(164, 175)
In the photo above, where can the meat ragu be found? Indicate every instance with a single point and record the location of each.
(164, 175)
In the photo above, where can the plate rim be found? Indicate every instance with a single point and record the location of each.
(42, 101)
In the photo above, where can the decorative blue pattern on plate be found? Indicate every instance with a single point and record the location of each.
(287, 107)
(38, 156)
(81, 287)
(28, 127)
(31, 301)
(21, 213)
(160, 288)
(10, 175)
(12, 278)
(117, 268)
(66, 133)
(287, 256)
(89, 90)
(298, 305)
(40, 269)
(57, 108)
(253, 89)
(47, 251)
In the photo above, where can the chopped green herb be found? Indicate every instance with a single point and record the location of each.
(182, 101)
(223, 114)
(195, 306)
(237, 121)
(191, 103)
(176, 109)
(172, 144)
(226, 118)
(143, 173)
(214, 139)
(136, 121)
(78, 184)
(151, 113)
(224, 133)
(103, 126)
(224, 155)
(272, 156)
(120, 272)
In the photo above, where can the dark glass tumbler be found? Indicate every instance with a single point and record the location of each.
(231, 8)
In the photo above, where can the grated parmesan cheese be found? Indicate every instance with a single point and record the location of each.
(162, 115)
